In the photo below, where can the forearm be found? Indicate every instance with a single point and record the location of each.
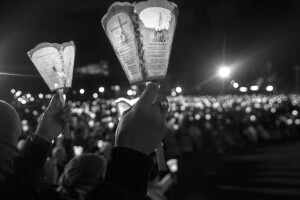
(126, 177)
(35, 152)
(129, 168)
(25, 180)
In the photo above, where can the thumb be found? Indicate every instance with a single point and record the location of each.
(148, 95)
(55, 105)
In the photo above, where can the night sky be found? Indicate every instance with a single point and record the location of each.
(253, 32)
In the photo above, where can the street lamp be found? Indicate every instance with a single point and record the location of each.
(224, 72)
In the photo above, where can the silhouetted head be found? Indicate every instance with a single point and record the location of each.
(10, 124)
(86, 169)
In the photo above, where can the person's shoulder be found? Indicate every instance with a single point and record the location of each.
(1, 176)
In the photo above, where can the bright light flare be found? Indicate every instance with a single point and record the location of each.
(81, 91)
(224, 72)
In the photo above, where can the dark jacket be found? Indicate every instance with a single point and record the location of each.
(27, 169)
(126, 175)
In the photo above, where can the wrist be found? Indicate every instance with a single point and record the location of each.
(41, 134)
(133, 147)
(40, 140)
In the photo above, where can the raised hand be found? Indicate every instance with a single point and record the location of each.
(54, 120)
(142, 127)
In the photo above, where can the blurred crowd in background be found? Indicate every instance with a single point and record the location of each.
(214, 123)
(226, 124)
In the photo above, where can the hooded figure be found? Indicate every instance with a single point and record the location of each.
(10, 130)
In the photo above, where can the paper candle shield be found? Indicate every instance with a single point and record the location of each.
(55, 63)
(157, 21)
(142, 35)
(119, 28)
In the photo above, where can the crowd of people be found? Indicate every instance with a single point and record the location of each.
(195, 123)
(30, 173)
(79, 159)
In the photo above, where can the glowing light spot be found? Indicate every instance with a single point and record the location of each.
(269, 88)
(235, 85)
(77, 150)
(273, 110)
(176, 126)
(101, 89)
(95, 95)
(111, 125)
(18, 93)
(207, 117)
(117, 88)
(295, 112)
(129, 92)
(254, 88)
(178, 90)
(248, 110)
(252, 118)
(243, 89)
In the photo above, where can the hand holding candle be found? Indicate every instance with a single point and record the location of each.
(55, 63)
(142, 35)
(143, 122)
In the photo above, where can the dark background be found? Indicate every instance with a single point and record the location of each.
(253, 33)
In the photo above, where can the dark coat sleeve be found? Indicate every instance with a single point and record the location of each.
(126, 176)
(25, 180)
